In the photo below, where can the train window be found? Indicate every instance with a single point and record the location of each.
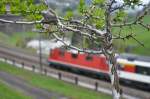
(120, 66)
(89, 58)
(61, 53)
(74, 55)
(131, 58)
(142, 70)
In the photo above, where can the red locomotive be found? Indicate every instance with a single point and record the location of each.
(131, 68)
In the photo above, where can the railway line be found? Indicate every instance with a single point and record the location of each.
(30, 61)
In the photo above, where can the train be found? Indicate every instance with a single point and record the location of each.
(132, 69)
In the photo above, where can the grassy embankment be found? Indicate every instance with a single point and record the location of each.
(67, 89)
(141, 34)
(8, 93)
(17, 39)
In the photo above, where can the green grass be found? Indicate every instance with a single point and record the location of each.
(23, 37)
(17, 39)
(141, 34)
(4, 37)
(8, 93)
(67, 89)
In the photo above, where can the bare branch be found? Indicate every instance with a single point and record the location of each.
(76, 48)
(137, 20)
(83, 26)
(138, 41)
(22, 11)
(124, 37)
(147, 26)
(117, 8)
(19, 22)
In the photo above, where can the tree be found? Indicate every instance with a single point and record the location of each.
(95, 23)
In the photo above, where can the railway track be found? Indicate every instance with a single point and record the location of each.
(31, 60)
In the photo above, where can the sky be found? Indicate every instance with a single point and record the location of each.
(67, 4)
(119, 2)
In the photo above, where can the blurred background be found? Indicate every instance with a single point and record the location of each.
(24, 35)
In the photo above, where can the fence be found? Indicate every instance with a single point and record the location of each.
(55, 74)
(78, 80)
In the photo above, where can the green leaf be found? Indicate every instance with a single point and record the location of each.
(98, 2)
(132, 2)
(26, 8)
(2, 9)
(99, 24)
(69, 15)
(82, 7)
(120, 15)
(98, 12)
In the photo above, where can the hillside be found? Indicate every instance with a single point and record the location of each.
(141, 34)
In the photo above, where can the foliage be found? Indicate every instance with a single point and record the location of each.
(69, 15)
(132, 2)
(98, 2)
(27, 8)
(120, 15)
(82, 6)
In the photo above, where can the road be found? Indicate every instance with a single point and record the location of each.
(20, 84)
